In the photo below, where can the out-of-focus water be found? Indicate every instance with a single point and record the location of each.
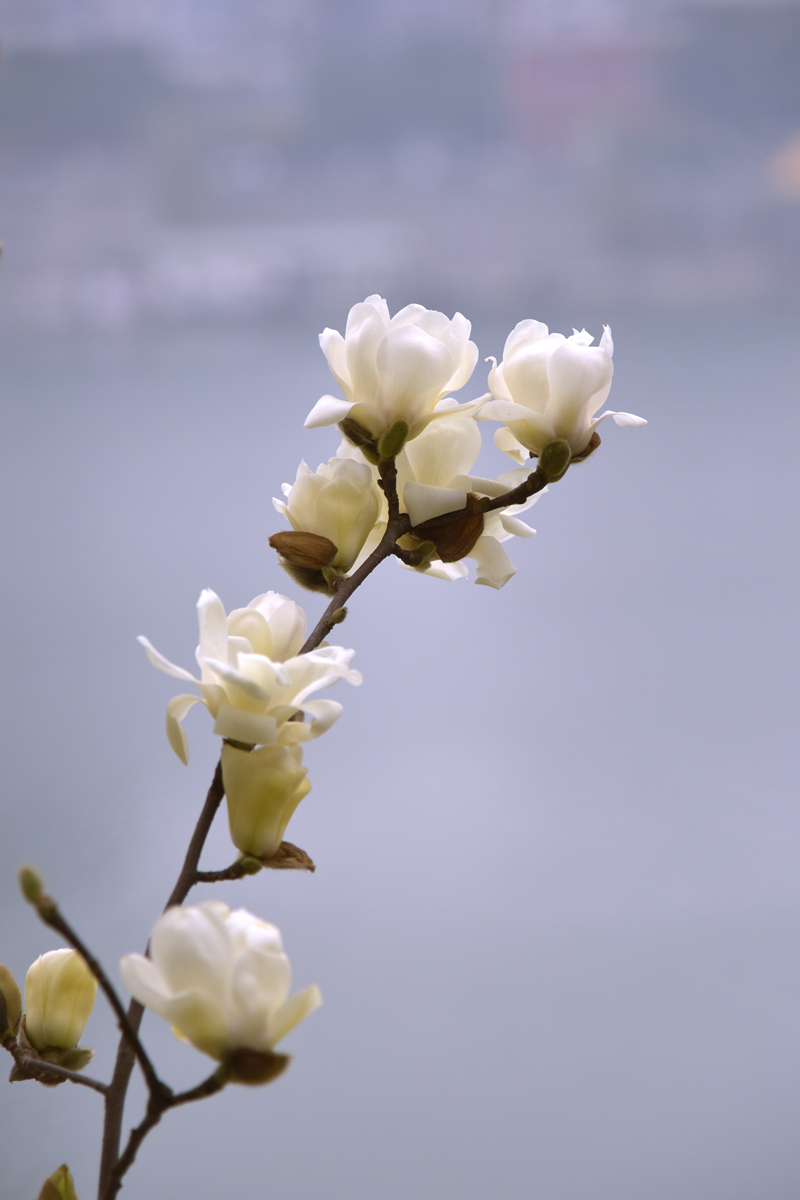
(555, 914)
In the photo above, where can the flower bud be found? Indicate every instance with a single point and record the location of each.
(304, 549)
(263, 788)
(60, 992)
(393, 440)
(59, 1186)
(338, 503)
(554, 460)
(31, 884)
(10, 1000)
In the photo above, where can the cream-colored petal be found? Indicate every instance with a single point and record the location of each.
(292, 1012)
(495, 568)
(163, 664)
(327, 411)
(177, 709)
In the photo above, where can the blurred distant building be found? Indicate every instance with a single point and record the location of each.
(180, 159)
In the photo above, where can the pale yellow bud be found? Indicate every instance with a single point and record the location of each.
(263, 789)
(12, 999)
(60, 991)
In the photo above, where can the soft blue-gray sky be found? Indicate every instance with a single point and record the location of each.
(555, 913)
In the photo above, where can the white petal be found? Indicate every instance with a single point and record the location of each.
(177, 709)
(327, 411)
(292, 1012)
(423, 503)
(323, 714)
(213, 626)
(333, 347)
(163, 664)
(622, 418)
(516, 527)
(495, 568)
(253, 729)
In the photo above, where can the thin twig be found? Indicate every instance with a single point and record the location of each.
(155, 1110)
(117, 1089)
(49, 913)
(188, 875)
(28, 1067)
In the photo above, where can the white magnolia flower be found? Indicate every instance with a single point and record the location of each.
(338, 501)
(433, 478)
(252, 679)
(548, 388)
(220, 978)
(395, 368)
(60, 992)
(263, 788)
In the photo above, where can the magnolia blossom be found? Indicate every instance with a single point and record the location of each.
(252, 679)
(60, 991)
(263, 788)
(338, 501)
(433, 478)
(548, 388)
(395, 368)
(220, 978)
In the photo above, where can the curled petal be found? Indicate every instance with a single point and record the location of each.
(513, 525)
(163, 664)
(292, 1012)
(250, 728)
(327, 411)
(177, 709)
(495, 568)
(322, 714)
(621, 418)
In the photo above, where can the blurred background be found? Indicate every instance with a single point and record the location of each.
(555, 916)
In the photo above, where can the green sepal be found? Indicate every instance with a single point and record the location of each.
(393, 440)
(554, 460)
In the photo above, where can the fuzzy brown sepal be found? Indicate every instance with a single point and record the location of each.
(307, 577)
(289, 858)
(254, 1068)
(453, 537)
(591, 446)
(303, 549)
(361, 437)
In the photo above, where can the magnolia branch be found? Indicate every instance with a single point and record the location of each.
(117, 1089)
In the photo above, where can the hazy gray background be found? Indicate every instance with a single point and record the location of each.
(555, 914)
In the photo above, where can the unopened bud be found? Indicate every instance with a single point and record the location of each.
(393, 440)
(338, 616)
(253, 1067)
(59, 1186)
(10, 1002)
(422, 554)
(554, 460)
(589, 448)
(31, 884)
(304, 549)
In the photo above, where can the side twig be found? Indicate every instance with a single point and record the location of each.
(49, 914)
(28, 1067)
